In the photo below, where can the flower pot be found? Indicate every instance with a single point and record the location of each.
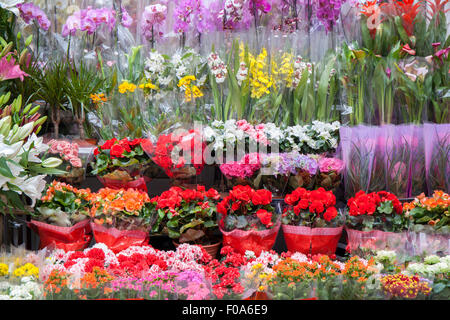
(212, 249)
(118, 240)
(253, 240)
(258, 296)
(312, 240)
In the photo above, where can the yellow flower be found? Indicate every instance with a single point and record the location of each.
(185, 82)
(4, 269)
(192, 92)
(149, 85)
(126, 86)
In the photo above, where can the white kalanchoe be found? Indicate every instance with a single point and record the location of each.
(385, 256)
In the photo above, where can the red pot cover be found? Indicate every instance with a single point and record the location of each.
(72, 238)
(376, 240)
(256, 241)
(312, 240)
(118, 240)
(139, 184)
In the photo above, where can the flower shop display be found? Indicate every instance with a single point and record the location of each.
(429, 231)
(62, 217)
(247, 220)
(242, 172)
(121, 218)
(329, 173)
(376, 221)
(310, 221)
(121, 163)
(189, 216)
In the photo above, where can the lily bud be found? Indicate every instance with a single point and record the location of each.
(51, 162)
(22, 133)
(5, 125)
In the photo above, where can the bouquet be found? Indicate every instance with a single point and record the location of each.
(247, 219)
(121, 218)
(311, 221)
(189, 215)
(374, 221)
(72, 163)
(121, 163)
(180, 155)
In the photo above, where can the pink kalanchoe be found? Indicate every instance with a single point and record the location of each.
(331, 164)
(30, 12)
(9, 70)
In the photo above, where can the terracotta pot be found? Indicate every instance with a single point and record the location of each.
(212, 249)
(258, 296)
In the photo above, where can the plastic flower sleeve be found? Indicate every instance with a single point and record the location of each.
(437, 153)
(72, 238)
(425, 240)
(358, 153)
(253, 240)
(312, 240)
(417, 180)
(118, 240)
(396, 146)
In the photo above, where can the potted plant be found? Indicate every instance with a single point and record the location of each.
(242, 172)
(180, 155)
(121, 218)
(247, 220)
(190, 216)
(121, 163)
(311, 223)
(430, 222)
(61, 217)
(376, 221)
(329, 173)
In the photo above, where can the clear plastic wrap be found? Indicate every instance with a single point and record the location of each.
(437, 153)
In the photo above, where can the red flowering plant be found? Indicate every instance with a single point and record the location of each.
(246, 209)
(188, 214)
(314, 209)
(179, 154)
(122, 160)
(376, 211)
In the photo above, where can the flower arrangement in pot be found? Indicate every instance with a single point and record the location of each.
(247, 220)
(121, 217)
(180, 155)
(304, 172)
(375, 221)
(121, 163)
(311, 223)
(72, 163)
(430, 223)
(189, 216)
(61, 217)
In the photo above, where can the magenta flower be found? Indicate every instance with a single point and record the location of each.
(9, 70)
(152, 19)
(89, 20)
(327, 11)
(331, 164)
(30, 12)
(127, 20)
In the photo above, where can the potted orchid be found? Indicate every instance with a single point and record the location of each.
(247, 219)
(189, 216)
(311, 222)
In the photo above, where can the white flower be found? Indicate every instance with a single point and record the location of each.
(431, 259)
(32, 187)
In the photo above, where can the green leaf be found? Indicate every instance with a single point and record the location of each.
(192, 224)
(4, 169)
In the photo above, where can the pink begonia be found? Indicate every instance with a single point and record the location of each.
(67, 151)
(331, 164)
(244, 168)
(256, 133)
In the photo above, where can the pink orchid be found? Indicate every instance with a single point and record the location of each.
(9, 69)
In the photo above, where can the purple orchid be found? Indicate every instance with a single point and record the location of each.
(127, 20)
(152, 19)
(30, 12)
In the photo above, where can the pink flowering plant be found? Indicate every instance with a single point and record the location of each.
(242, 172)
(329, 174)
(72, 163)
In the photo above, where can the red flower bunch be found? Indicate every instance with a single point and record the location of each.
(124, 153)
(137, 264)
(309, 207)
(376, 211)
(191, 212)
(368, 204)
(245, 201)
(225, 275)
(177, 151)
